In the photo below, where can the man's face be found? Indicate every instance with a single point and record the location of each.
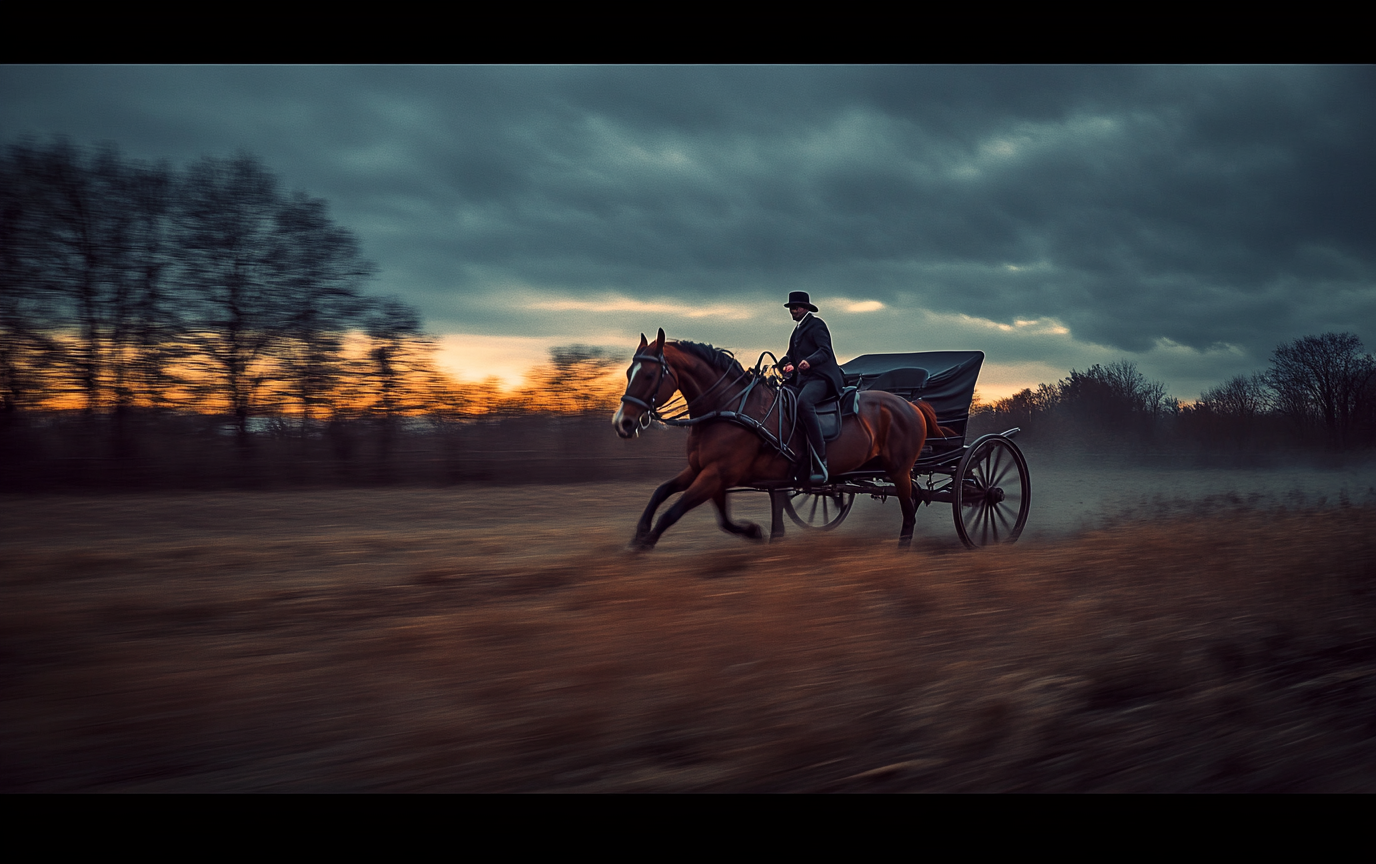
(797, 312)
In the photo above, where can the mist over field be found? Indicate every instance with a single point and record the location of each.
(1072, 492)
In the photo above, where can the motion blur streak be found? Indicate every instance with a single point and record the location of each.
(433, 640)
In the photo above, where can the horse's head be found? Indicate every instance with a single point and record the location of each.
(649, 384)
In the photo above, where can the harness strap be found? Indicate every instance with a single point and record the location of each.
(738, 416)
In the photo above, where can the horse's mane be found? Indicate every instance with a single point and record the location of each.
(717, 358)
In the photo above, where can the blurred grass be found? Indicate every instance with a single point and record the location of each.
(1229, 650)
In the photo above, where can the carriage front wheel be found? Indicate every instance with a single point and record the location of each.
(991, 495)
(817, 510)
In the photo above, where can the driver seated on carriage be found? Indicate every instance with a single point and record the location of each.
(811, 370)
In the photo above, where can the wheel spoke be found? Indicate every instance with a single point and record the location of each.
(1000, 470)
(991, 464)
(981, 468)
(1003, 520)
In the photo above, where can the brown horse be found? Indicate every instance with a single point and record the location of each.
(723, 454)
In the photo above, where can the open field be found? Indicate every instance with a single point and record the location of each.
(1214, 636)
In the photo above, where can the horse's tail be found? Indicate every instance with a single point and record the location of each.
(934, 430)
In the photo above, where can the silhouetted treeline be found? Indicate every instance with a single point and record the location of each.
(1319, 393)
(203, 327)
(126, 285)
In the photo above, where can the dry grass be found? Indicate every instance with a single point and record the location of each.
(1223, 652)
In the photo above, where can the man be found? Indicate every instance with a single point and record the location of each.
(811, 369)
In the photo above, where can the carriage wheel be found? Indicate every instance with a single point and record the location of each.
(819, 511)
(992, 497)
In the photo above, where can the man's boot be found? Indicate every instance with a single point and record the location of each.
(819, 474)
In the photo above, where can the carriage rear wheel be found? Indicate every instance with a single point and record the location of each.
(991, 497)
(819, 511)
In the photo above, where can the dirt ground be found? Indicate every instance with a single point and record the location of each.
(1153, 631)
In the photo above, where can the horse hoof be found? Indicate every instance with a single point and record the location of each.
(754, 532)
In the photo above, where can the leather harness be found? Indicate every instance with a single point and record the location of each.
(784, 399)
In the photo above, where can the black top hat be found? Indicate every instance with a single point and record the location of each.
(799, 298)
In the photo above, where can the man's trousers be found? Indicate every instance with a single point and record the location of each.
(812, 392)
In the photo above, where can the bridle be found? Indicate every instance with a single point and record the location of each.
(652, 411)
(784, 402)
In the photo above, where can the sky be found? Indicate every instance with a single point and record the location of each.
(1185, 218)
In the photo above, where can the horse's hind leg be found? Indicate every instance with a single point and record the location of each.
(678, 484)
(776, 515)
(903, 484)
(749, 529)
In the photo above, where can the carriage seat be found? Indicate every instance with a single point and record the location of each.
(831, 412)
(906, 382)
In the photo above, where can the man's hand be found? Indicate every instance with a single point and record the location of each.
(804, 365)
(788, 370)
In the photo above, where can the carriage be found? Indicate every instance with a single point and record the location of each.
(900, 427)
(985, 481)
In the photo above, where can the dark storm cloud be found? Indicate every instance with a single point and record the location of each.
(1204, 206)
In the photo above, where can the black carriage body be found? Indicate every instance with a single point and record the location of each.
(943, 379)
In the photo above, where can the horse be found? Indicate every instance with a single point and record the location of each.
(723, 454)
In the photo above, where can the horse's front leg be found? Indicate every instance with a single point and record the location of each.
(671, 487)
(749, 529)
(705, 486)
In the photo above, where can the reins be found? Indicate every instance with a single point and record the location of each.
(679, 411)
(681, 414)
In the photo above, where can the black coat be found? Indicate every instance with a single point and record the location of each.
(811, 341)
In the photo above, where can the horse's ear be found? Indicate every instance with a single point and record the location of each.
(643, 340)
(659, 343)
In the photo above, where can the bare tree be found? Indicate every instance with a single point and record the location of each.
(1323, 380)
(83, 258)
(236, 309)
(397, 356)
(28, 308)
(1111, 395)
(143, 320)
(1144, 396)
(1236, 411)
(73, 239)
(1244, 397)
(320, 273)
